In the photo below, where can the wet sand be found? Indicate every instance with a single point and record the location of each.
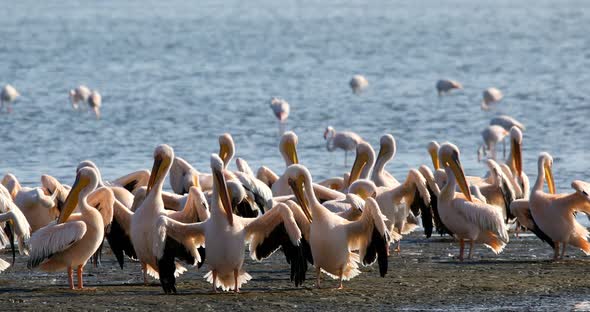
(424, 277)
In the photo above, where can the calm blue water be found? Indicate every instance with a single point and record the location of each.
(183, 73)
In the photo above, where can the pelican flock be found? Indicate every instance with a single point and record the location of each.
(211, 217)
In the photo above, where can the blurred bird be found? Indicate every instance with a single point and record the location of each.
(506, 122)
(281, 109)
(345, 140)
(95, 101)
(8, 95)
(358, 83)
(446, 85)
(492, 135)
(80, 94)
(490, 96)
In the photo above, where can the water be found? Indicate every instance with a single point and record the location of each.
(183, 73)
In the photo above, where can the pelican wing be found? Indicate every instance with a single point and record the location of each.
(54, 238)
(484, 216)
(190, 235)
(323, 193)
(370, 236)
(583, 192)
(22, 229)
(267, 176)
(277, 229)
(520, 209)
(118, 235)
(133, 180)
(261, 193)
(304, 226)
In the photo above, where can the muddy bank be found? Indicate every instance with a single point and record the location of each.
(424, 277)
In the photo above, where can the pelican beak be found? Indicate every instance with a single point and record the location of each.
(434, 157)
(517, 157)
(297, 187)
(455, 165)
(359, 163)
(224, 153)
(72, 200)
(382, 151)
(224, 195)
(154, 173)
(196, 182)
(292, 152)
(549, 178)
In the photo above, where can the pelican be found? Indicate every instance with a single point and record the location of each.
(38, 208)
(358, 83)
(95, 102)
(154, 248)
(467, 218)
(8, 95)
(224, 235)
(506, 122)
(386, 153)
(446, 85)
(395, 204)
(490, 96)
(492, 135)
(333, 238)
(280, 108)
(499, 192)
(432, 186)
(17, 227)
(288, 149)
(344, 140)
(554, 213)
(74, 238)
(79, 94)
(519, 178)
(363, 188)
(361, 169)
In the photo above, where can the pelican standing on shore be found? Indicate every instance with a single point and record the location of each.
(8, 95)
(345, 140)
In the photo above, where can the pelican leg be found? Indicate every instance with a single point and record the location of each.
(563, 250)
(318, 273)
(345, 158)
(471, 243)
(341, 276)
(461, 249)
(71, 278)
(517, 229)
(80, 283)
(398, 249)
(214, 273)
(144, 271)
(556, 251)
(236, 274)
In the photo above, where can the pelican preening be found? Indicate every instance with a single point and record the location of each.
(358, 83)
(490, 96)
(446, 85)
(345, 140)
(8, 95)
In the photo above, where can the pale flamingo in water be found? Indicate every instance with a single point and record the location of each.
(79, 94)
(492, 135)
(446, 85)
(281, 109)
(506, 122)
(345, 140)
(95, 102)
(358, 83)
(490, 96)
(8, 95)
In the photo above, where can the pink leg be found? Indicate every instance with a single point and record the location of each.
(236, 274)
(318, 278)
(461, 249)
(214, 273)
(71, 277)
(556, 251)
(80, 283)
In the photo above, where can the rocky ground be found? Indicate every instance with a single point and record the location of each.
(424, 277)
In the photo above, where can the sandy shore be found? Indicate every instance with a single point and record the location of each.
(424, 277)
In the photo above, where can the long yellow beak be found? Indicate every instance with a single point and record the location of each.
(224, 153)
(72, 199)
(224, 195)
(297, 187)
(359, 163)
(292, 152)
(154, 173)
(434, 158)
(517, 157)
(455, 165)
(549, 178)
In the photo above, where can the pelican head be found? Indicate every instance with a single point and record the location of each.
(364, 160)
(163, 157)
(288, 147)
(297, 176)
(432, 148)
(363, 188)
(220, 185)
(516, 150)
(546, 165)
(91, 164)
(448, 154)
(226, 148)
(387, 147)
(86, 182)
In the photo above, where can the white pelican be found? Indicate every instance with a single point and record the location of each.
(8, 95)
(363, 188)
(79, 94)
(386, 153)
(490, 95)
(361, 169)
(499, 192)
(17, 227)
(154, 248)
(492, 135)
(519, 178)
(506, 122)
(446, 85)
(554, 213)
(395, 204)
(74, 238)
(432, 185)
(333, 238)
(224, 235)
(38, 208)
(358, 83)
(95, 102)
(467, 218)
(122, 187)
(345, 140)
(183, 175)
(280, 108)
